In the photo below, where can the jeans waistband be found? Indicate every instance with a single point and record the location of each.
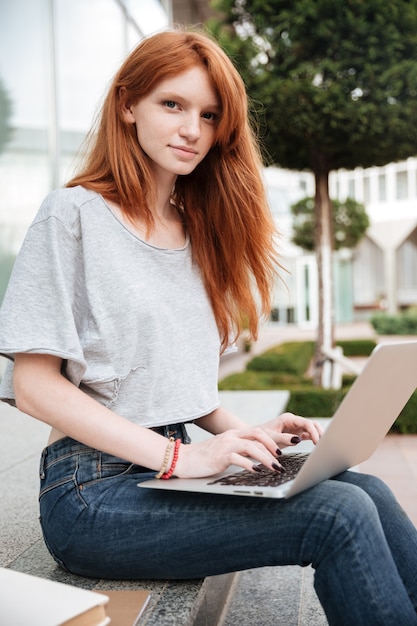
(176, 431)
(65, 446)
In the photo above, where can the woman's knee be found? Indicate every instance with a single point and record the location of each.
(347, 515)
(376, 488)
(353, 494)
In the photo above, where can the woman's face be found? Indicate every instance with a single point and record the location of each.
(176, 122)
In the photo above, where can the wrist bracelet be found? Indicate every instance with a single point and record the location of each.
(166, 459)
(168, 474)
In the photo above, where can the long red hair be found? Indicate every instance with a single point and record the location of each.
(223, 200)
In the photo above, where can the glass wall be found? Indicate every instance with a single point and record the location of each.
(56, 60)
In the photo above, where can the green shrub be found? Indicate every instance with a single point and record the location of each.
(357, 347)
(310, 401)
(348, 380)
(287, 365)
(324, 402)
(406, 423)
(402, 324)
(290, 358)
(315, 402)
(249, 379)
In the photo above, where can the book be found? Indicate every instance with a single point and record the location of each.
(27, 599)
(126, 606)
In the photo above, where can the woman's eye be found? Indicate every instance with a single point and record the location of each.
(212, 117)
(170, 104)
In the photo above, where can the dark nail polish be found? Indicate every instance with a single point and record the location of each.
(295, 439)
(278, 468)
(257, 468)
(278, 452)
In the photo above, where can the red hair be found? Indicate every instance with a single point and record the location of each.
(223, 200)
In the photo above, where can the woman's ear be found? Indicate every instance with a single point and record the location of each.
(125, 107)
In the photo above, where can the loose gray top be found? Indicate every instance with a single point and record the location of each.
(132, 322)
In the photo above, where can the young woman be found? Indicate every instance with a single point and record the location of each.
(130, 283)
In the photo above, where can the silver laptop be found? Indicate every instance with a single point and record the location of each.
(361, 421)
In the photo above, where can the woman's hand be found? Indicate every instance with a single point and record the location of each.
(289, 429)
(243, 447)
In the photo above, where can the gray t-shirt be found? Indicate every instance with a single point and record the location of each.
(132, 322)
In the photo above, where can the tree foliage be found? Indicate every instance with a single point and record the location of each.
(336, 83)
(337, 79)
(350, 222)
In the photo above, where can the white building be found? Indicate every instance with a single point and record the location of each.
(385, 263)
(381, 273)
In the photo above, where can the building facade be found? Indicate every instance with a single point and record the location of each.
(381, 273)
(385, 262)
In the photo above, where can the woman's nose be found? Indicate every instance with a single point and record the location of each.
(191, 128)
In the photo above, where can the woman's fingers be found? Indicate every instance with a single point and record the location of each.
(310, 430)
(234, 447)
(252, 443)
(287, 425)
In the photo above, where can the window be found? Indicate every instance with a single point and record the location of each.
(402, 185)
(382, 188)
(407, 264)
(366, 190)
(368, 274)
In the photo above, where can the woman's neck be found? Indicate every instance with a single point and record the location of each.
(167, 231)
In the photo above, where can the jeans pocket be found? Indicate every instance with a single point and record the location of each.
(54, 472)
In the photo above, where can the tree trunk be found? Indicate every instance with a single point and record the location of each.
(324, 255)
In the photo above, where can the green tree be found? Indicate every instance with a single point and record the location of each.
(350, 222)
(337, 80)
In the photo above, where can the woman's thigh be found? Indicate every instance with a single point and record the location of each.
(97, 522)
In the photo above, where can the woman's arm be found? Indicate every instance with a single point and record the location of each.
(42, 391)
(219, 420)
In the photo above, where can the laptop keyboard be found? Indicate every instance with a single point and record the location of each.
(266, 477)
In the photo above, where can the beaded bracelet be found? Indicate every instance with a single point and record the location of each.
(169, 473)
(166, 459)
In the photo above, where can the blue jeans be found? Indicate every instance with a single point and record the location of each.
(97, 522)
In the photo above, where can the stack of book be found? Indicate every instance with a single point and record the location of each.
(26, 599)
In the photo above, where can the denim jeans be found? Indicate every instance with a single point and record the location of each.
(97, 522)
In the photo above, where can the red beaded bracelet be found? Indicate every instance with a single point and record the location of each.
(169, 473)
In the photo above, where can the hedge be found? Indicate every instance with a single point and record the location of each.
(324, 402)
(406, 423)
(402, 324)
(250, 380)
(315, 402)
(357, 347)
(288, 364)
(292, 357)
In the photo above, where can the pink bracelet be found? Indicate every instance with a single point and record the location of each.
(169, 473)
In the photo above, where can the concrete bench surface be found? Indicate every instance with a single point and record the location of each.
(260, 597)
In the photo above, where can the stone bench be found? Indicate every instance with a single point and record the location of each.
(172, 603)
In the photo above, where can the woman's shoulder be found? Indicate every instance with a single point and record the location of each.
(66, 204)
